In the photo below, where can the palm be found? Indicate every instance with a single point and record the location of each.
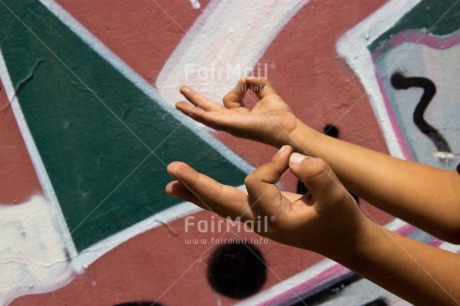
(270, 121)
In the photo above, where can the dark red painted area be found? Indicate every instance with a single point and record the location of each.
(159, 264)
(18, 177)
(143, 33)
(309, 74)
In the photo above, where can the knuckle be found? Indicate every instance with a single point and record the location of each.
(251, 179)
(341, 196)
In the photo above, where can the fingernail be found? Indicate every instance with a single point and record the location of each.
(283, 148)
(296, 158)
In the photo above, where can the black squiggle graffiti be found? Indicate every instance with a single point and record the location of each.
(399, 81)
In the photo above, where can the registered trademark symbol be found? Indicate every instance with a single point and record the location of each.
(273, 218)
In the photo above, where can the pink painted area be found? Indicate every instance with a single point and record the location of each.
(420, 38)
(406, 230)
(19, 180)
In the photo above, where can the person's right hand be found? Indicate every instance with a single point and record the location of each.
(326, 220)
(270, 121)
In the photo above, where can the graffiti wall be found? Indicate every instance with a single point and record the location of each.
(88, 126)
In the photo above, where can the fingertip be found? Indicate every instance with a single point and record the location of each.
(176, 167)
(296, 158)
(181, 104)
(285, 148)
(283, 153)
(185, 89)
(169, 188)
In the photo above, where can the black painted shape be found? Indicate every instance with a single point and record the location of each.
(237, 270)
(378, 302)
(333, 131)
(139, 303)
(399, 81)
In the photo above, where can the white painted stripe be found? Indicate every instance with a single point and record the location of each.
(32, 252)
(227, 37)
(35, 157)
(352, 46)
(450, 247)
(92, 253)
(395, 225)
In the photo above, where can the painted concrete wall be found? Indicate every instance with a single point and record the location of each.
(87, 127)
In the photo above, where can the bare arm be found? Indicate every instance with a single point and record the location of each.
(327, 221)
(424, 196)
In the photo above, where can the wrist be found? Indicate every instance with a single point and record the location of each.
(303, 138)
(365, 242)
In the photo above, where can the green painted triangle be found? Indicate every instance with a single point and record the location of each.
(102, 169)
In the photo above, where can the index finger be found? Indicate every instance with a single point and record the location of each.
(209, 194)
(199, 100)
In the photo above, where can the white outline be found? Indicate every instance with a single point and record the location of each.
(215, 38)
(95, 251)
(37, 162)
(352, 46)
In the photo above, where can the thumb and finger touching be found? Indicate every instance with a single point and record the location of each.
(319, 178)
(234, 99)
(260, 86)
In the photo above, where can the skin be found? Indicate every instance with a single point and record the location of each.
(422, 195)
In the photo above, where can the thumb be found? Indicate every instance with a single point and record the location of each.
(318, 177)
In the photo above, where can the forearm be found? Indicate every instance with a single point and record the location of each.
(419, 273)
(422, 195)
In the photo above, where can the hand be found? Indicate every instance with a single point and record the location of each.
(325, 220)
(270, 121)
